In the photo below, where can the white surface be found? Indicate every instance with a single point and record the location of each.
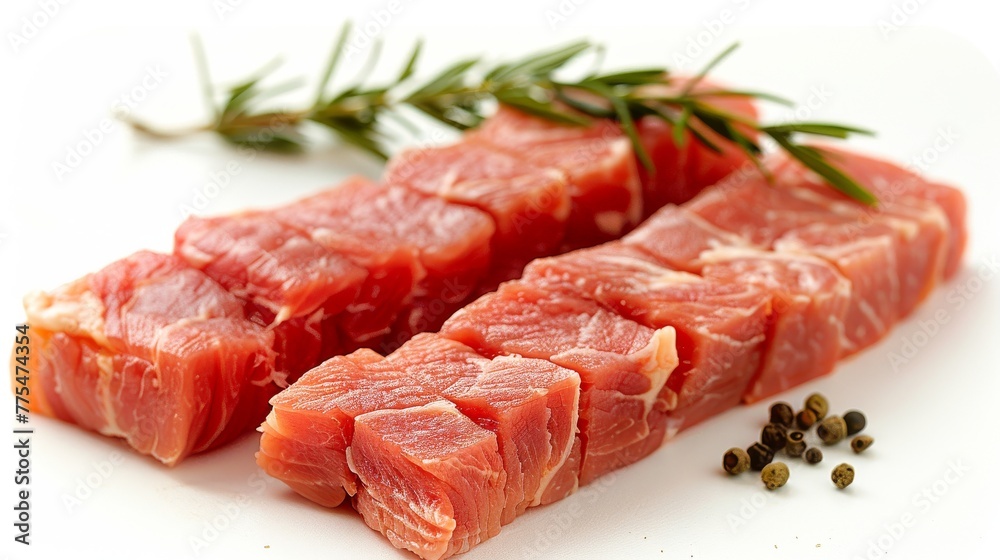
(937, 410)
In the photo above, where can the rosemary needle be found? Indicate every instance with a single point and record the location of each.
(458, 96)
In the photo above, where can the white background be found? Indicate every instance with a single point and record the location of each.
(929, 79)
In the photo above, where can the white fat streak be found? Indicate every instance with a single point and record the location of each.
(106, 367)
(658, 360)
(547, 477)
(72, 309)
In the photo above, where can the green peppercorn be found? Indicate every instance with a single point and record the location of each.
(843, 475)
(782, 413)
(735, 461)
(818, 404)
(774, 436)
(813, 455)
(805, 419)
(760, 456)
(795, 444)
(855, 422)
(774, 475)
(832, 429)
(860, 443)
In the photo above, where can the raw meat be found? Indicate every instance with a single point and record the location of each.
(152, 351)
(622, 364)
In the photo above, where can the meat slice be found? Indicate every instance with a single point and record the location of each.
(306, 435)
(603, 180)
(289, 281)
(928, 218)
(531, 406)
(895, 188)
(529, 204)
(423, 255)
(622, 364)
(810, 298)
(431, 479)
(720, 326)
(809, 303)
(152, 351)
(793, 220)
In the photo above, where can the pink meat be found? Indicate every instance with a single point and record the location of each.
(598, 160)
(622, 365)
(431, 479)
(152, 351)
(720, 326)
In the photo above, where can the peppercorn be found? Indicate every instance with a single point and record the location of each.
(782, 413)
(774, 436)
(774, 475)
(843, 475)
(760, 456)
(813, 455)
(818, 404)
(855, 422)
(805, 419)
(735, 461)
(832, 429)
(860, 443)
(795, 444)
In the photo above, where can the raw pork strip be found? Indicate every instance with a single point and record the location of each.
(529, 204)
(623, 365)
(453, 485)
(288, 280)
(809, 297)
(531, 406)
(720, 326)
(866, 256)
(927, 217)
(895, 187)
(152, 351)
(603, 180)
(423, 255)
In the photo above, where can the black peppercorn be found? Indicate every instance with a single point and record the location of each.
(813, 455)
(735, 461)
(774, 436)
(782, 413)
(774, 475)
(805, 419)
(855, 422)
(831, 430)
(843, 475)
(860, 443)
(760, 456)
(795, 444)
(818, 404)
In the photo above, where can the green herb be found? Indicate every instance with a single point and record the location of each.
(459, 95)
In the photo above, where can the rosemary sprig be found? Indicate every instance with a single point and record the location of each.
(459, 95)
